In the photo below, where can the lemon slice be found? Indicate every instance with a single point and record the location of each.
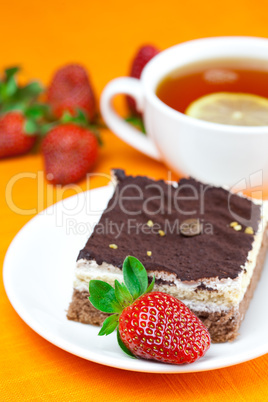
(238, 109)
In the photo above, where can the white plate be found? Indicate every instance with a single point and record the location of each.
(38, 274)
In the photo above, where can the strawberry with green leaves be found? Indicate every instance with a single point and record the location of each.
(69, 89)
(20, 114)
(70, 149)
(14, 137)
(150, 325)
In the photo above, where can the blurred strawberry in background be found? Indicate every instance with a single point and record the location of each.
(64, 119)
(70, 151)
(20, 114)
(69, 146)
(141, 58)
(14, 139)
(70, 88)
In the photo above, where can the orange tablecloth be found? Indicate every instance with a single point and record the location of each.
(103, 36)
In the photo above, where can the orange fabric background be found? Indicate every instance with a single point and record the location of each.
(103, 36)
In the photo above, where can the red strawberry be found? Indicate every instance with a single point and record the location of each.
(70, 89)
(13, 137)
(165, 330)
(154, 326)
(70, 151)
(144, 54)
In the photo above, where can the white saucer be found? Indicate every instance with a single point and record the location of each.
(38, 274)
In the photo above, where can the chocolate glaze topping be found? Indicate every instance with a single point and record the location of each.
(218, 251)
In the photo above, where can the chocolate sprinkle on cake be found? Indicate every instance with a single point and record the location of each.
(218, 251)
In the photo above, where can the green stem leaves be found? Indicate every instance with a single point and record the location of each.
(13, 94)
(137, 122)
(81, 119)
(135, 276)
(102, 296)
(114, 300)
(109, 325)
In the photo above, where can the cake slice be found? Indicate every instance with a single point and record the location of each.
(205, 246)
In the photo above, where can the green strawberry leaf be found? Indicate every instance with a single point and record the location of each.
(46, 127)
(122, 294)
(12, 94)
(80, 118)
(102, 296)
(67, 117)
(36, 111)
(150, 287)
(30, 127)
(109, 325)
(10, 107)
(11, 72)
(10, 88)
(123, 346)
(136, 122)
(29, 91)
(7, 90)
(9, 84)
(135, 276)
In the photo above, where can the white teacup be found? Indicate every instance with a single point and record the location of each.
(214, 153)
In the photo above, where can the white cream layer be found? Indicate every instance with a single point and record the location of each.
(228, 292)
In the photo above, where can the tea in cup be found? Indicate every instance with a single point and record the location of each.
(178, 92)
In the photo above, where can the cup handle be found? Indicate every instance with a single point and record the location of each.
(124, 130)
